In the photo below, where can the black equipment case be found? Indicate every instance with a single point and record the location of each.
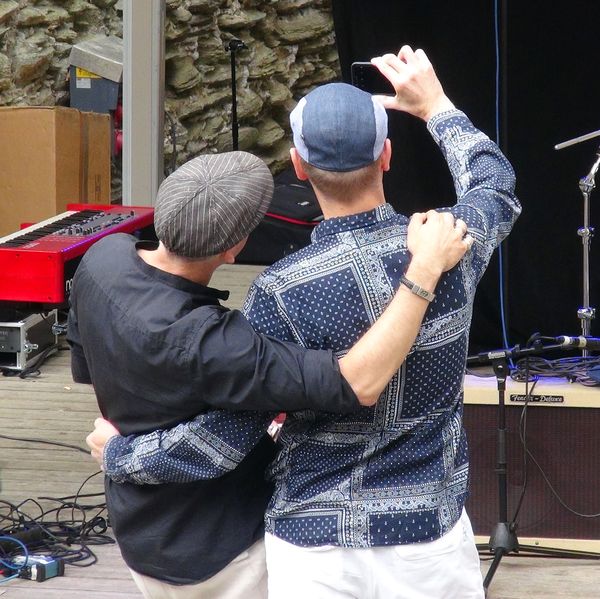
(293, 214)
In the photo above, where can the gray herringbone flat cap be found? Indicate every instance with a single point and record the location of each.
(211, 202)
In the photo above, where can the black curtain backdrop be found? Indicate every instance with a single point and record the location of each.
(549, 92)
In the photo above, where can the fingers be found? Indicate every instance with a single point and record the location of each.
(444, 220)
(447, 218)
(97, 439)
(389, 63)
(462, 229)
(96, 450)
(463, 234)
(104, 427)
(418, 217)
(405, 52)
(388, 102)
(416, 221)
(422, 57)
(461, 226)
(388, 66)
(396, 68)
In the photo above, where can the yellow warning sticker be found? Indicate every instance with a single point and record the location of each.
(85, 74)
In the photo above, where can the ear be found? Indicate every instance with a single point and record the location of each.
(298, 165)
(386, 155)
(229, 256)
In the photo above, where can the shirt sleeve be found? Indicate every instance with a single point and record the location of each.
(240, 370)
(484, 181)
(208, 446)
(79, 367)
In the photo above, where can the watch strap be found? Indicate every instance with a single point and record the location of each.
(417, 289)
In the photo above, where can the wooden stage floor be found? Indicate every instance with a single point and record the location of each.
(52, 407)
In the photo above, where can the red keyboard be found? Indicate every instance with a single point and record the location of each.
(37, 264)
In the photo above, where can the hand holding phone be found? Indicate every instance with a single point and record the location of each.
(418, 89)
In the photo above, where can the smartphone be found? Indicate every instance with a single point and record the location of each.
(366, 76)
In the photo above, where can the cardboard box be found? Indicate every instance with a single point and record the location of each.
(50, 157)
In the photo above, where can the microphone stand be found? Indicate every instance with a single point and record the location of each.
(232, 47)
(503, 539)
(586, 184)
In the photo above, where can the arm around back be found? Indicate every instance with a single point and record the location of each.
(238, 369)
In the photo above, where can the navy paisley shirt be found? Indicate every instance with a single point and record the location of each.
(395, 473)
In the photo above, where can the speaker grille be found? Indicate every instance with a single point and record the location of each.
(565, 442)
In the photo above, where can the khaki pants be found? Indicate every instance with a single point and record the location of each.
(244, 578)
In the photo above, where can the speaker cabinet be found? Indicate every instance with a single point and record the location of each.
(562, 429)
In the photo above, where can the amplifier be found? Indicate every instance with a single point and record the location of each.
(562, 428)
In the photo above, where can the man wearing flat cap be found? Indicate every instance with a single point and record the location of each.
(150, 335)
(371, 504)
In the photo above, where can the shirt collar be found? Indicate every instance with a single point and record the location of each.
(331, 226)
(196, 289)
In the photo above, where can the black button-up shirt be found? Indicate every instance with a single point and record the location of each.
(160, 349)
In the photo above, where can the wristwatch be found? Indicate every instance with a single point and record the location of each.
(417, 289)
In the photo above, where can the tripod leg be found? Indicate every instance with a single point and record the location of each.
(498, 555)
(502, 542)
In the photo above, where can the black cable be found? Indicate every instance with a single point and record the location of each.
(65, 538)
(68, 538)
(45, 442)
(573, 369)
(555, 493)
(523, 438)
(524, 374)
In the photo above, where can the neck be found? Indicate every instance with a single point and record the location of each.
(334, 206)
(197, 271)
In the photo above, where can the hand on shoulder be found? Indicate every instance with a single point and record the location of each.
(436, 241)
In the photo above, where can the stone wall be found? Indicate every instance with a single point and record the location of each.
(290, 49)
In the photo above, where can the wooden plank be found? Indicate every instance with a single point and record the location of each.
(53, 408)
(543, 578)
(236, 279)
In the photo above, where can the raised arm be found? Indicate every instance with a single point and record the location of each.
(483, 178)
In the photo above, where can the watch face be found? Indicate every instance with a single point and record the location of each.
(417, 290)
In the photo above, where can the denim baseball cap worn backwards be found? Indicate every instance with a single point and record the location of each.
(211, 203)
(338, 127)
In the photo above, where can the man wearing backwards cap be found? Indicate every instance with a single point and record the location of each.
(150, 335)
(371, 504)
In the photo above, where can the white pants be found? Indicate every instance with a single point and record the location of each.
(244, 578)
(447, 568)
